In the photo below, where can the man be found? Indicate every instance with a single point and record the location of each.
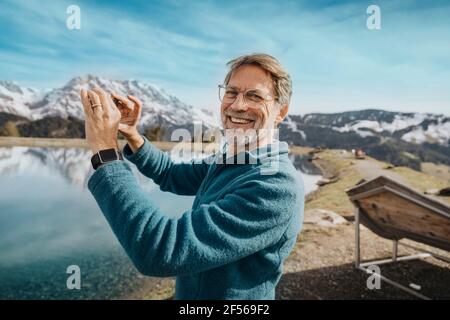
(243, 224)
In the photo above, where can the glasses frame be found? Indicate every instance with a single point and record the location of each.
(265, 99)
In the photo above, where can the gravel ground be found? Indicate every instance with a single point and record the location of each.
(322, 267)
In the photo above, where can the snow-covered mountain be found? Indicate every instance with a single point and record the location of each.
(410, 127)
(158, 107)
(436, 131)
(15, 99)
(396, 137)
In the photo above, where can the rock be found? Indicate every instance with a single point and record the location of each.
(445, 192)
(432, 191)
(316, 150)
(415, 286)
(325, 181)
(314, 157)
(322, 217)
(389, 166)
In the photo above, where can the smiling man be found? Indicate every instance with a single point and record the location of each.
(243, 223)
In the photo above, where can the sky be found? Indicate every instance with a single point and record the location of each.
(336, 63)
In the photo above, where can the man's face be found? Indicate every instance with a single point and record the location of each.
(241, 115)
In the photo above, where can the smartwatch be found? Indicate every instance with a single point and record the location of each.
(104, 156)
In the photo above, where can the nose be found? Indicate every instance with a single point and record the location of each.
(239, 103)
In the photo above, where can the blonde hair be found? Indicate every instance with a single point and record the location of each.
(280, 77)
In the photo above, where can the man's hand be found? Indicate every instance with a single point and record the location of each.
(102, 119)
(130, 109)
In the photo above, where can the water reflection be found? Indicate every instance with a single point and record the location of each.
(49, 220)
(73, 164)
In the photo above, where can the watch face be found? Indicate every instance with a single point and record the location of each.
(108, 155)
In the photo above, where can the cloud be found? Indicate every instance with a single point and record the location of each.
(335, 61)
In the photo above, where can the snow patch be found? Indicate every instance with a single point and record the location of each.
(439, 133)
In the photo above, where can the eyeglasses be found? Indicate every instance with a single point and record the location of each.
(253, 98)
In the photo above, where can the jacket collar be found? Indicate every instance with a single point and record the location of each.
(269, 152)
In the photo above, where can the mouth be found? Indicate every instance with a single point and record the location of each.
(240, 121)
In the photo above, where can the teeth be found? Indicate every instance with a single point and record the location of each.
(237, 120)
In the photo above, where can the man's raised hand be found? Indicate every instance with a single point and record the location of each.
(130, 109)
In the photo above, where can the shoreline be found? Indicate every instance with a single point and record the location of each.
(79, 143)
(9, 142)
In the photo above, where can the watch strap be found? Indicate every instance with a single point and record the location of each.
(105, 156)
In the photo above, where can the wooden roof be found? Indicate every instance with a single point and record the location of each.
(394, 210)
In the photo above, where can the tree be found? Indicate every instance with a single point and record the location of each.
(155, 133)
(9, 129)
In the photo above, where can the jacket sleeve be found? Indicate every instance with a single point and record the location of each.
(179, 178)
(248, 220)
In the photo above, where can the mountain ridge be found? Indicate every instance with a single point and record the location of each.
(159, 109)
(402, 138)
(38, 101)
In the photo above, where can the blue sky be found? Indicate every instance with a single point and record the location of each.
(336, 63)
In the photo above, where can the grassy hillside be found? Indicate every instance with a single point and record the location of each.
(342, 165)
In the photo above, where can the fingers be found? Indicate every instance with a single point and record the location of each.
(124, 102)
(86, 103)
(105, 100)
(95, 100)
(137, 106)
(135, 100)
(97, 96)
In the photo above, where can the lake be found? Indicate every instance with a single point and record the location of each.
(49, 221)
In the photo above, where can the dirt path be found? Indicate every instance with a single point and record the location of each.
(371, 169)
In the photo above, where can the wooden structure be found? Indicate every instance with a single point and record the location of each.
(360, 154)
(395, 211)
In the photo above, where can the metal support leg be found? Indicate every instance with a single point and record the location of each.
(364, 266)
(433, 254)
(357, 239)
(395, 284)
(394, 250)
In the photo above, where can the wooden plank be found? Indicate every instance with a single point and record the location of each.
(401, 188)
(391, 211)
(394, 211)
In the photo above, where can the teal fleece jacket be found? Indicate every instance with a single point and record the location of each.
(232, 243)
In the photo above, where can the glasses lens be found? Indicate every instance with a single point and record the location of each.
(254, 97)
(227, 94)
(221, 93)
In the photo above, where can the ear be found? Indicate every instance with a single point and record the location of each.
(282, 114)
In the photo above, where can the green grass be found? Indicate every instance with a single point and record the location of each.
(422, 181)
(332, 196)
